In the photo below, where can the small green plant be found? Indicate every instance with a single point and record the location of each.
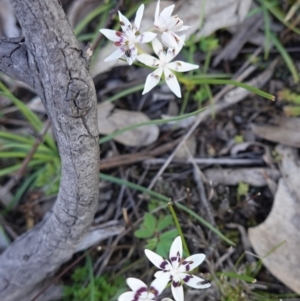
(102, 288)
(151, 229)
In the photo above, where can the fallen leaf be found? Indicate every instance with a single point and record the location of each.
(282, 225)
(8, 21)
(188, 149)
(282, 129)
(99, 233)
(233, 176)
(111, 120)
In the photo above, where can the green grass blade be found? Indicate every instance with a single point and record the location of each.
(19, 154)
(15, 137)
(125, 92)
(166, 200)
(92, 15)
(92, 279)
(280, 15)
(18, 146)
(267, 26)
(233, 83)
(9, 170)
(20, 192)
(151, 122)
(286, 57)
(32, 118)
(234, 275)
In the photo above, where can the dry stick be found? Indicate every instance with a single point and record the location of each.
(198, 176)
(128, 159)
(208, 161)
(214, 108)
(19, 174)
(62, 273)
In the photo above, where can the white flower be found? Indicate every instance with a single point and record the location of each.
(140, 291)
(177, 269)
(128, 39)
(168, 25)
(163, 65)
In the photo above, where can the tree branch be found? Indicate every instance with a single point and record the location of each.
(58, 72)
(14, 59)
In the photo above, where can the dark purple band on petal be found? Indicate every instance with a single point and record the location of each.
(176, 283)
(163, 265)
(187, 278)
(154, 291)
(138, 293)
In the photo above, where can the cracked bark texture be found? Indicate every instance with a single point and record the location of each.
(50, 60)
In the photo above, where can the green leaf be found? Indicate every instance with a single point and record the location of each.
(169, 235)
(151, 243)
(164, 222)
(238, 276)
(149, 221)
(163, 249)
(143, 233)
(166, 200)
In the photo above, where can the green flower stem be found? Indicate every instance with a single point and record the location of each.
(167, 200)
(185, 247)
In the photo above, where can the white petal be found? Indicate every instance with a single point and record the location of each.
(185, 27)
(163, 274)
(191, 262)
(115, 55)
(169, 40)
(166, 13)
(157, 260)
(176, 247)
(194, 281)
(177, 289)
(111, 34)
(125, 24)
(148, 60)
(180, 66)
(173, 84)
(166, 299)
(158, 49)
(138, 17)
(136, 284)
(157, 11)
(151, 81)
(174, 24)
(145, 37)
(128, 296)
(158, 285)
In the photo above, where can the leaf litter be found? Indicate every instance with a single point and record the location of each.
(214, 187)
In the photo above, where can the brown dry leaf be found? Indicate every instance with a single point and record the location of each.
(282, 225)
(188, 149)
(233, 176)
(8, 21)
(282, 129)
(111, 120)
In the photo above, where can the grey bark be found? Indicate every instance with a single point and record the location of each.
(50, 60)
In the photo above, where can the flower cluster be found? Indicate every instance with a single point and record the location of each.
(175, 270)
(168, 30)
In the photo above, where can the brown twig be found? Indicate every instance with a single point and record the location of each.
(128, 159)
